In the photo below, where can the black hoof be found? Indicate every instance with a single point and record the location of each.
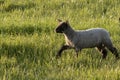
(58, 56)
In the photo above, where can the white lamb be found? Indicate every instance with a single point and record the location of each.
(78, 40)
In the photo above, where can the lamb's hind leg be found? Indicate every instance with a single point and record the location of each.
(64, 47)
(114, 51)
(110, 46)
(102, 49)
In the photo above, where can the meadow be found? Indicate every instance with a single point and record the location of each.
(28, 42)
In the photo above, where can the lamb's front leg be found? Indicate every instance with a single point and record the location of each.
(64, 47)
(77, 50)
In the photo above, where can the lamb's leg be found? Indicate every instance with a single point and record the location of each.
(110, 46)
(102, 49)
(64, 47)
(77, 50)
(114, 51)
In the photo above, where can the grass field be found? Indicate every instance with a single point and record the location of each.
(28, 43)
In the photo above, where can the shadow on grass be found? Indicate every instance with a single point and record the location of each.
(2, 2)
(21, 52)
(25, 30)
(12, 6)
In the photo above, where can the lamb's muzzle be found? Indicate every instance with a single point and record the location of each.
(78, 40)
(57, 30)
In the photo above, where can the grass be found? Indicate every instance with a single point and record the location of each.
(28, 43)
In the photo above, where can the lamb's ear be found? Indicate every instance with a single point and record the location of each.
(67, 21)
(59, 20)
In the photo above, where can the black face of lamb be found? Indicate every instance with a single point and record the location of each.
(61, 28)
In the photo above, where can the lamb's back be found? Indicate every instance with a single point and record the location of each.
(91, 37)
(94, 32)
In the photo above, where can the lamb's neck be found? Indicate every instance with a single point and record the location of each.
(69, 33)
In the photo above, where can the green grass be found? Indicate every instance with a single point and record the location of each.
(28, 43)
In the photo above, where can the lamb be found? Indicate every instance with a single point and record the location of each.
(91, 38)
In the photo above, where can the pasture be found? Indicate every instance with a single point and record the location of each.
(28, 42)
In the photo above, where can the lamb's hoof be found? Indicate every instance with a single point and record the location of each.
(102, 59)
(117, 58)
(58, 56)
